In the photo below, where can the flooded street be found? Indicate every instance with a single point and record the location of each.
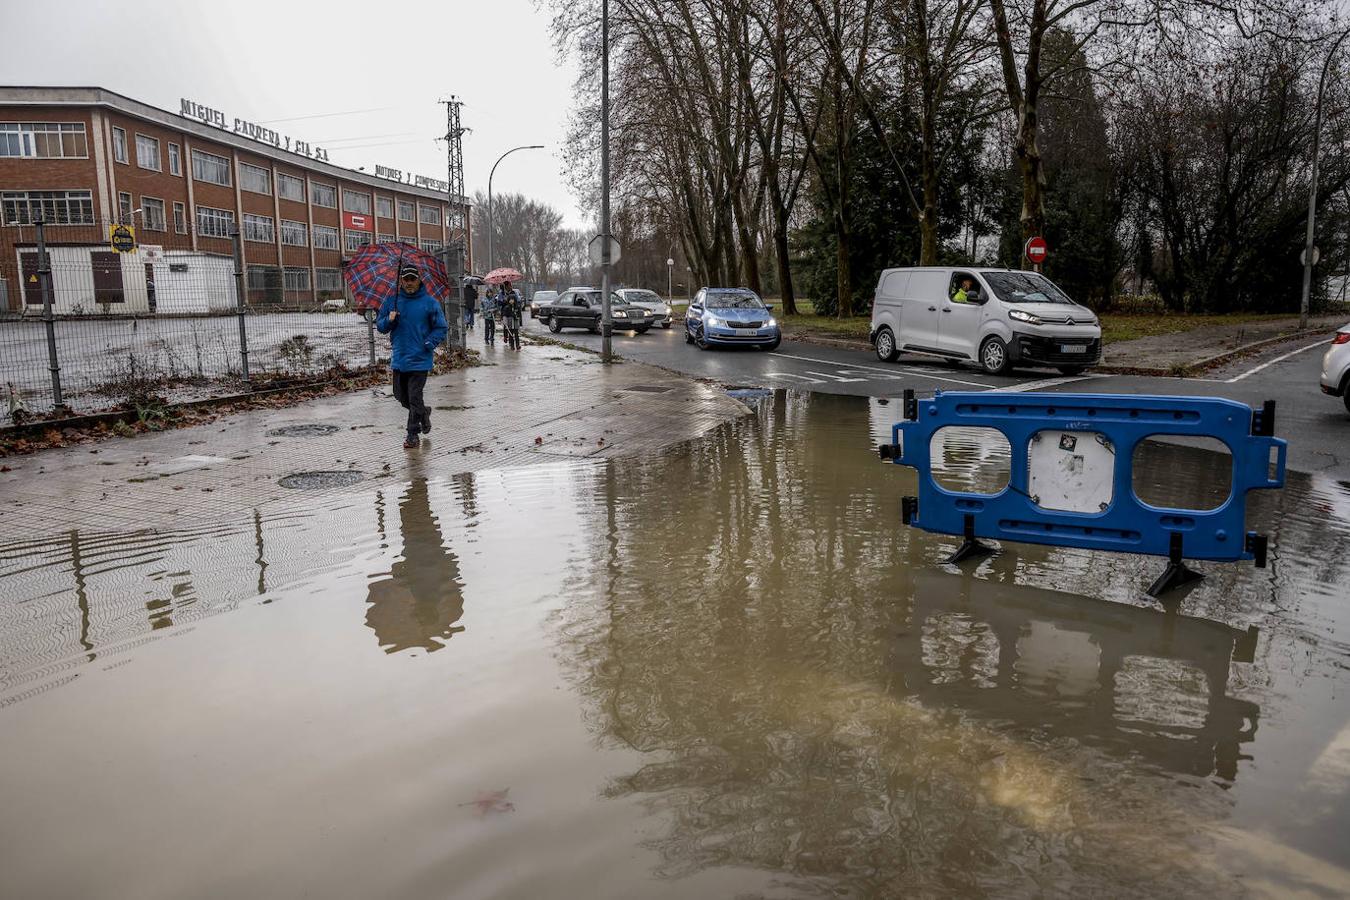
(724, 669)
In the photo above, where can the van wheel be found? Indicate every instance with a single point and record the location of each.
(554, 325)
(994, 356)
(885, 345)
(1072, 370)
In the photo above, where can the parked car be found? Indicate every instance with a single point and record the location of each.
(541, 298)
(1008, 318)
(334, 304)
(730, 316)
(581, 308)
(650, 301)
(1336, 367)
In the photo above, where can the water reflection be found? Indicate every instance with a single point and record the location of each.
(417, 603)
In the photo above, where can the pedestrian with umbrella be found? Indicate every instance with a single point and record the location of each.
(408, 287)
(509, 303)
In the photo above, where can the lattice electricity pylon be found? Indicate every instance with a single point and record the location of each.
(454, 144)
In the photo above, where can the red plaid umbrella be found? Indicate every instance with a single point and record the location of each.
(497, 276)
(372, 273)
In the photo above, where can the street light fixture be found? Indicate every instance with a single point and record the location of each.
(1308, 249)
(670, 280)
(490, 174)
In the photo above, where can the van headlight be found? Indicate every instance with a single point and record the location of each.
(1023, 316)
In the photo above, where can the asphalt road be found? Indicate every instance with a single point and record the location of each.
(1316, 426)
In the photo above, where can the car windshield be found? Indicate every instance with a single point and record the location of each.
(593, 297)
(733, 301)
(642, 297)
(1024, 287)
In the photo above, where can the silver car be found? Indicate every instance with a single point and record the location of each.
(650, 301)
(1336, 366)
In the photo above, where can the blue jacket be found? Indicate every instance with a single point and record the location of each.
(419, 327)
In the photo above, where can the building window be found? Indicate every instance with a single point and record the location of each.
(152, 214)
(259, 228)
(355, 240)
(384, 207)
(175, 160)
(430, 215)
(147, 152)
(124, 208)
(214, 222)
(294, 234)
(385, 239)
(328, 280)
(255, 179)
(325, 237)
(179, 218)
(119, 144)
(406, 211)
(354, 202)
(290, 188)
(53, 207)
(44, 140)
(210, 168)
(323, 195)
(266, 280)
(432, 246)
(297, 278)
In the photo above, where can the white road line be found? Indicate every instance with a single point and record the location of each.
(1266, 365)
(830, 362)
(835, 377)
(1044, 383)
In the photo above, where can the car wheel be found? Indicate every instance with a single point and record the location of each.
(665, 324)
(594, 329)
(1072, 370)
(994, 356)
(702, 342)
(1346, 398)
(554, 325)
(688, 335)
(885, 345)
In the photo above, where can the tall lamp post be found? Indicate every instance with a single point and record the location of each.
(670, 279)
(490, 174)
(606, 320)
(1308, 248)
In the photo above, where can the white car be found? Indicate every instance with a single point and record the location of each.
(998, 318)
(334, 304)
(648, 300)
(1336, 367)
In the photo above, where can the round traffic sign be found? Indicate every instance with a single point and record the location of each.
(1037, 250)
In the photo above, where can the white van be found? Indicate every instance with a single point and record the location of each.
(1003, 318)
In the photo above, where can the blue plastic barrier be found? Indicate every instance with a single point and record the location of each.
(1117, 423)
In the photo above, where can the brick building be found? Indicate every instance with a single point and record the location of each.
(85, 157)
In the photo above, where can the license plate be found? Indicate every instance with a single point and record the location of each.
(1073, 348)
(747, 332)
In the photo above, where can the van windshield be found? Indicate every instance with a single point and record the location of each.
(1024, 287)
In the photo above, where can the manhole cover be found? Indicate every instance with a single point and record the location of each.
(309, 481)
(648, 389)
(302, 430)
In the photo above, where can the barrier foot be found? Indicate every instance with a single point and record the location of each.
(1177, 572)
(970, 545)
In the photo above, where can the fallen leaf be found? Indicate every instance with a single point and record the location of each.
(491, 801)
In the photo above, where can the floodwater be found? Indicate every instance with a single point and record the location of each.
(724, 670)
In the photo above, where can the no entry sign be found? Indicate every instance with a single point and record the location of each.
(1036, 250)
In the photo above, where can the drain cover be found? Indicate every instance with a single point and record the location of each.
(648, 389)
(308, 481)
(302, 430)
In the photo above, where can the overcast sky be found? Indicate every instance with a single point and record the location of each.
(276, 60)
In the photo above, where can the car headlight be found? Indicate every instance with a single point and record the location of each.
(714, 322)
(620, 314)
(1023, 316)
(772, 323)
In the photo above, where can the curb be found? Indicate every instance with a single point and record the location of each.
(843, 343)
(1209, 362)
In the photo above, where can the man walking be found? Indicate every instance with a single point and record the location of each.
(415, 325)
(470, 295)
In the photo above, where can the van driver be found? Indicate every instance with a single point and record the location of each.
(962, 294)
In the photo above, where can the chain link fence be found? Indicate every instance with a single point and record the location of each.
(85, 326)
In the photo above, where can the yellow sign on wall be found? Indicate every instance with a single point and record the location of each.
(122, 238)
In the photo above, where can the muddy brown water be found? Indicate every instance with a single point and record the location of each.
(722, 670)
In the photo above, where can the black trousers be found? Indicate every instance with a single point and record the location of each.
(408, 387)
(511, 326)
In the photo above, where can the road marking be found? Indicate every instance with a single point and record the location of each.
(884, 371)
(836, 377)
(1266, 365)
(790, 375)
(1043, 384)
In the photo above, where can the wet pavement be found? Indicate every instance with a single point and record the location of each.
(716, 668)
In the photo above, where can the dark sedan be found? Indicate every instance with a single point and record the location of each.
(581, 308)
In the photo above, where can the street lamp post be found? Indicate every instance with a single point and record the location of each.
(606, 319)
(1312, 190)
(490, 174)
(670, 280)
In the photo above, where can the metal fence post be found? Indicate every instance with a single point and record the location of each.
(48, 318)
(370, 337)
(240, 295)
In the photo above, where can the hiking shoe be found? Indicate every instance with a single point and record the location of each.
(426, 420)
(411, 444)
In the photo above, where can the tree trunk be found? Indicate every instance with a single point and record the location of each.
(928, 219)
(1033, 174)
(780, 244)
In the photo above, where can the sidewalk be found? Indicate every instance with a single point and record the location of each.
(1185, 352)
(543, 404)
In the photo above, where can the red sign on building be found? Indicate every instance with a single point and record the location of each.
(357, 222)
